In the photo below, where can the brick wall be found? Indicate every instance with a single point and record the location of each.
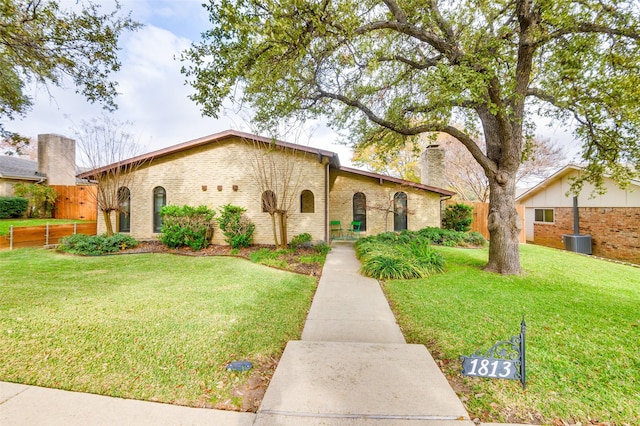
(423, 206)
(615, 232)
(192, 177)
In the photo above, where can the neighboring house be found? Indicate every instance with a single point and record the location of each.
(216, 170)
(611, 219)
(15, 170)
(56, 165)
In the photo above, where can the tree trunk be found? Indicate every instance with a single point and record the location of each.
(107, 222)
(273, 227)
(504, 226)
(284, 239)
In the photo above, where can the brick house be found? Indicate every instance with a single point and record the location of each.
(216, 170)
(611, 219)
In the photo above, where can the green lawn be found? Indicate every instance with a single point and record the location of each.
(6, 223)
(149, 326)
(583, 335)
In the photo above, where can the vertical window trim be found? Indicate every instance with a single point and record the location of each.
(122, 201)
(362, 218)
(157, 219)
(400, 196)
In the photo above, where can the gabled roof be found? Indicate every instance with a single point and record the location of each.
(215, 138)
(569, 168)
(19, 168)
(409, 183)
(334, 161)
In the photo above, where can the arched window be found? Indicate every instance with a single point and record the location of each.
(159, 201)
(124, 216)
(399, 211)
(307, 202)
(269, 201)
(360, 210)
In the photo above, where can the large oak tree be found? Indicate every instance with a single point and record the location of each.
(395, 68)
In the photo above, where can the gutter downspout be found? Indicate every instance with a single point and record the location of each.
(326, 203)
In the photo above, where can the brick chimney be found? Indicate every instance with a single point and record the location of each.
(57, 159)
(432, 167)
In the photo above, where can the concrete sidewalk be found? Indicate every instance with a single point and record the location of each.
(352, 367)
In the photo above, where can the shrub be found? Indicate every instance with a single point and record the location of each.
(95, 245)
(187, 226)
(409, 257)
(13, 207)
(475, 239)
(322, 248)
(300, 240)
(42, 198)
(236, 226)
(458, 217)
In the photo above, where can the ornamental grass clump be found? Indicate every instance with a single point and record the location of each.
(384, 257)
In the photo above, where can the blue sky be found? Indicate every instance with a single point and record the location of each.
(153, 94)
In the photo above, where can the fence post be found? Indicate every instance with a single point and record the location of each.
(75, 228)
(11, 237)
(46, 235)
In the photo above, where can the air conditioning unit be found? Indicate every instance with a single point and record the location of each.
(577, 243)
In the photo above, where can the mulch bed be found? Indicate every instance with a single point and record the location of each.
(292, 259)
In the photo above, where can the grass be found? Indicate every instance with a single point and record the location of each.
(6, 223)
(583, 347)
(149, 326)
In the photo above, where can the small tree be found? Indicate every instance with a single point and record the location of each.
(105, 144)
(42, 198)
(277, 171)
(458, 217)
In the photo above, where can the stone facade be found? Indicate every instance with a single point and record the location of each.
(615, 231)
(217, 170)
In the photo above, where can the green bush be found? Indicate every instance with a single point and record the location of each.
(475, 239)
(236, 226)
(95, 245)
(300, 240)
(322, 248)
(409, 256)
(42, 198)
(187, 226)
(13, 207)
(458, 217)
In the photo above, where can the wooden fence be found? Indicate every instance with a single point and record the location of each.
(480, 218)
(38, 236)
(76, 202)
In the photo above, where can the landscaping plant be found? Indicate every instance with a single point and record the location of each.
(42, 198)
(236, 226)
(13, 207)
(457, 217)
(96, 245)
(187, 226)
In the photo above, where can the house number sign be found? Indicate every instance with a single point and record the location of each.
(505, 360)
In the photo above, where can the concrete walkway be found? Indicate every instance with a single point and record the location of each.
(352, 367)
